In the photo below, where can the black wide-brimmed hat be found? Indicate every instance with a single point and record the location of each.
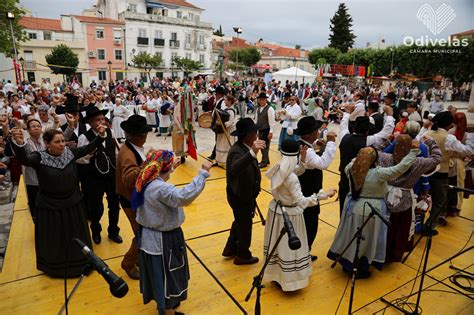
(290, 147)
(287, 94)
(71, 105)
(262, 95)
(135, 124)
(391, 96)
(221, 90)
(244, 126)
(307, 125)
(93, 111)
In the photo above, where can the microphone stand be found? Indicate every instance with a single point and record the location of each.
(86, 271)
(355, 264)
(257, 280)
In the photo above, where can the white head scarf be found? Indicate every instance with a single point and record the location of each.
(281, 171)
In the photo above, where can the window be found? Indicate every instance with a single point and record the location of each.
(188, 56)
(117, 34)
(201, 39)
(158, 34)
(102, 75)
(179, 14)
(188, 38)
(46, 35)
(191, 16)
(32, 35)
(201, 59)
(99, 33)
(144, 77)
(118, 54)
(141, 32)
(132, 8)
(174, 36)
(101, 54)
(173, 55)
(31, 76)
(119, 76)
(164, 12)
(28, 55)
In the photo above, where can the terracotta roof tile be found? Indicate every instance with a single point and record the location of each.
(93, 19)
(470, 32)
(181, 3)
(40, 23)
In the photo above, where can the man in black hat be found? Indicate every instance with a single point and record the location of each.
(243, 187)
(219, 104)
(100, 176)
(351, 143)
(129, 160)
(266, 123)
(389, 100)
(310, 173)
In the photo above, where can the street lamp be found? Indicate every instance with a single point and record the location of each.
(391, 64)
(110, 70)
(239, 31)
(10, 18)
(221, 62)
(22, 62)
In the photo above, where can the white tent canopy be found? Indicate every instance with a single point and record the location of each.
(292, 74)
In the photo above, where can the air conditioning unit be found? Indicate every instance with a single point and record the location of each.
(117, 41)
(91, 54)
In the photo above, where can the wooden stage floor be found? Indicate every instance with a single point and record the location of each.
(25, 290)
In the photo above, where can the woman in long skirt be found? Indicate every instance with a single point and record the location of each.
(120, 114)
(224, 140)
(289, 268)
(164, 270)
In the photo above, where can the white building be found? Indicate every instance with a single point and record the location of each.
(170, 28)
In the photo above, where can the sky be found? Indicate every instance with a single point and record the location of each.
(303, 22)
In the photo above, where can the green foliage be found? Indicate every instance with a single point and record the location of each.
(341, 36)
(186, 65)
(297, 46)
(246, 56)
(6, 43)
(63, 56)
(406, 60)
(218, 32)
(147, 62)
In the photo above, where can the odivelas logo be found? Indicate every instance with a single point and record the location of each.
(436, 21)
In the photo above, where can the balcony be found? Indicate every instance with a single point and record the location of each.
(142, 41)
(163, 19)
(174, 43)
(159, 42)
(29, 64)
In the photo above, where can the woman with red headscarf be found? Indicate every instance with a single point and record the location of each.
(457, 171)
(164, 271)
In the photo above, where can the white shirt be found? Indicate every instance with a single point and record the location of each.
(314, 161)
(359, 110)
(82, 141)
(140, 151)
(293, 113)
(388, 126)
(415, 116)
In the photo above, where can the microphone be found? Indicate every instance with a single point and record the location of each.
(118, 287)
(378, 213)
(293, 240)
(469, 191)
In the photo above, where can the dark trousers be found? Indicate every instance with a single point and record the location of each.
(241, 231)
(311, 221)
(439, 195)
(263, 135)
(130, 259)
(343, 191)
(31, 193)
(94, 189)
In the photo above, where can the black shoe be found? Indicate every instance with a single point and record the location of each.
(442, 222)
(211, 157)
(183, 160)
(314, 258)
(245, 261)
(262, 165)
(228, 253)
(96, 238)
(158, 135)
(116, 238)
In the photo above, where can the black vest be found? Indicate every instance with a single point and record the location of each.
(349, 147)
(109, 151)
(82, 130)
(311, 181)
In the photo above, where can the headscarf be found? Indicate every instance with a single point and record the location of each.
(402, 148)
(157, 162)
(363, 162)
(281, 171)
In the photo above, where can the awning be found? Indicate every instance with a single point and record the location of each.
(154, 5)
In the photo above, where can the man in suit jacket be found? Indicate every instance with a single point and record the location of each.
(243, 187)
(129, 161)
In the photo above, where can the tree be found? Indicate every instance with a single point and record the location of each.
(62, 60)
(218, 32)
(147, 62)
(328, 54)
(247, 56)
(6, 43)
(186, 65)
(341, 36)
(298, 46)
